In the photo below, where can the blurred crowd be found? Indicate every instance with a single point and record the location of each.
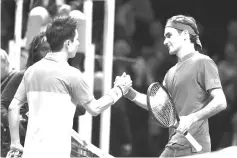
(138, 35)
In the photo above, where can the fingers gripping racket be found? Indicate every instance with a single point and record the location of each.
(162, 107)
(14, 154)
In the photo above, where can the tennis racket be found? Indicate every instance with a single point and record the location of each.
(162, 107)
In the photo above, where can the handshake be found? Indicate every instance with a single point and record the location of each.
(122, 87)
(124, 82)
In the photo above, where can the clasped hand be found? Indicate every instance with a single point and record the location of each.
(15, 151)
(185, 123)
(124, 82)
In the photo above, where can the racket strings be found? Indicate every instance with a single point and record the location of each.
(169, 114)
(165, 115)
(154, 90)
(162, 106)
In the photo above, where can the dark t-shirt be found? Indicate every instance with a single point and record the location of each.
(5, 81)
(8, 94)
(188, 83)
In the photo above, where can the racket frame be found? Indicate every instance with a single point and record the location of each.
(189, 137)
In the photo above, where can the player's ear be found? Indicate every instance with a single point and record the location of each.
(66, 43)
(185, 34)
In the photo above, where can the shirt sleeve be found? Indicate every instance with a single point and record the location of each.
(10, 90)
(21, 91)
(7, 96)
(79, 89)
(208, 76)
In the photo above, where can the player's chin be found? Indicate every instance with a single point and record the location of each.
(172, 52)
(72, 55)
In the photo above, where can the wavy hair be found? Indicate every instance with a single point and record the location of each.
(38, 45)
(190, 21)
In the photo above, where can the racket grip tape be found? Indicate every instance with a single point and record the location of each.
(193, 141)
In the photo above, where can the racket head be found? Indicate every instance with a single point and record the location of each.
(161, 105)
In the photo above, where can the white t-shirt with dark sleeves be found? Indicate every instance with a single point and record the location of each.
(53, 89)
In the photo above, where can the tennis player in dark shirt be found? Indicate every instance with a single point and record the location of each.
(193, 84)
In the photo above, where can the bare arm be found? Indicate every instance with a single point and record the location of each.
(217, 104)
(14, 115)
(14, 120)
(208, 77)
(95, 107)
(138, 98)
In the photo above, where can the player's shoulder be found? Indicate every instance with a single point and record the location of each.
(73, 69)
(203, 60)
(73, 72)
(200, 56)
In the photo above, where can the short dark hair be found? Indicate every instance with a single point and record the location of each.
(190, 21)
(38, 44)
(60, 30)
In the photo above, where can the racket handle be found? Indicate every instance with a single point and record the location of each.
(193, 141)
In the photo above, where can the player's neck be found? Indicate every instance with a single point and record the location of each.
(185, 50)
(61, 55)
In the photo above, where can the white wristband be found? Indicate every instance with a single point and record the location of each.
(115, 93)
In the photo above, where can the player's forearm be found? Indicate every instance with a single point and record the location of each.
(14, 120)
(217, 104)
(141, 100)
(138, 98)
(95, 107)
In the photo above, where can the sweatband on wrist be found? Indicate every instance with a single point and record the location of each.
(115, 93)
(131, 95)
